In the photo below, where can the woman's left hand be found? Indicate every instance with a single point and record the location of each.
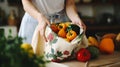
(72, 13)
(79, 23)
(43, 22)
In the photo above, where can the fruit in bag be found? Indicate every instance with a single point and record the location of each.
(71, 35)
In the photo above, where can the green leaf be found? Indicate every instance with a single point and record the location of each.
(47, 55)
(2, 32)
(54, 57)
(52, 50)
(54, 41)
(59, 54)
(11, 55)
(51, 55)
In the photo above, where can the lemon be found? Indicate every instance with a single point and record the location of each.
(26, 46)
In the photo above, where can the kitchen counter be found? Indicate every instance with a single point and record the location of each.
(103, 60)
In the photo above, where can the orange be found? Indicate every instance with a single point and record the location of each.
(106, 46)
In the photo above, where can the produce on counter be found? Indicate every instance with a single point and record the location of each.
(117, 42)
(117, 45)
(113, 39)
(94, 51)
(109, 35)
(83, 55)
(93, 41)
(106, 46)
(118, 37)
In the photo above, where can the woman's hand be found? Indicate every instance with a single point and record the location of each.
(79, 22)
(33, 11)
(43, 22)
(72, 13)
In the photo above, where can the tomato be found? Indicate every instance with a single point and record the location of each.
(83, 55)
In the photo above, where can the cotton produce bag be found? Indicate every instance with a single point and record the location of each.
(57, 48)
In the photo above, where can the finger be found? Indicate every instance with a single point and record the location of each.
(84, 27)
(79, 24)
(73, 22)
(48, 23)
(45, 38)
(44, 34)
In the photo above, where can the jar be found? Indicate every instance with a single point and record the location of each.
(12, 20)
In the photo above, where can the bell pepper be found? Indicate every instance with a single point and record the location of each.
(54, 28)
(74, 28)
(67, 24)
(62, 26)
(71, 35)
(62, 33)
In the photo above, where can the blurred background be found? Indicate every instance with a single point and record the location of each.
(100, 16)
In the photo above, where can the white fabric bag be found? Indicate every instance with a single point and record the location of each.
(57, 48)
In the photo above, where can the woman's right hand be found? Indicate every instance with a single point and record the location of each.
(43, 22)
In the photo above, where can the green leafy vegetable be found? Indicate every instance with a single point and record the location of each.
(12, 55)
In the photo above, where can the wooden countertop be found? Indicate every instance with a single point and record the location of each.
(103, 60)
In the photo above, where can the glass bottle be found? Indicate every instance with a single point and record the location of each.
(12, 20)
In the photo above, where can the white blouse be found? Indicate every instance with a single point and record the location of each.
(46, 7)
(49, 7)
